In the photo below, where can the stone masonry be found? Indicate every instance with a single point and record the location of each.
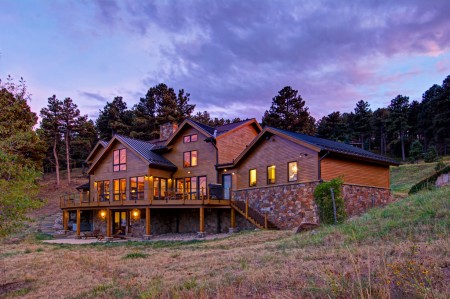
(292, 204)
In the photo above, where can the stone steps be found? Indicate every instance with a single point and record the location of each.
(47, 225)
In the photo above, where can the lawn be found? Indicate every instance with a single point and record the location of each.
(401, 250)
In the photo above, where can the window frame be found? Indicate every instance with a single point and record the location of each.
(188, 138)
(137, 195)
(119, 164)
(160, 192)
(105, 195)
(250, 178)
(289, 169)
(272, 182)
(190, 158)
(122, 194)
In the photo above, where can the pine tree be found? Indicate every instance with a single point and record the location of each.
(398, 119)
(70, 115)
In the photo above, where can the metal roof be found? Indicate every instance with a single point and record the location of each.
(337, 147)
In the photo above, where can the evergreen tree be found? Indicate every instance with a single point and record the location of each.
(114, 118)
(289, 112)
(51, 128)
(70, 115)
(416, 151)
(333, 127)
(361, 124)
(398, 119)
(380, 120)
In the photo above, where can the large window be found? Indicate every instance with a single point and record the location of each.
(190, 138)
(102, 190)
(202, 186)
(159, 188)
(191, 187)
(137, 188)
(271, 174)
(120, 189)
(292, 171)
(252, 177)
(120, 160)
(190, 159)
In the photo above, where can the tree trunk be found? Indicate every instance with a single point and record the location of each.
(68, 156)
(403, 146)
(55, 155)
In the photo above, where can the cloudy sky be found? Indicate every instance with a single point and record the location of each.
(231, 56)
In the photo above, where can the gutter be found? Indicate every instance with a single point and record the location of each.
(319, 171)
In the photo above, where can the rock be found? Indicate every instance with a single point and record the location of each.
(306, 226)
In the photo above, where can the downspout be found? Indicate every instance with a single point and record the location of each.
(217, 160)
(319, 171)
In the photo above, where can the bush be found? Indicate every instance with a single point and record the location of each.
(431, 155)
(322, 196)
(440, 165)
(416, 151)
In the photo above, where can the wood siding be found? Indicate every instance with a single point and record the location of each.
(355, 172)
(206, 156)
(279, 152)
(232, 144)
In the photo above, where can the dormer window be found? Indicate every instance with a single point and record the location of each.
(190, 138)
(120, 160)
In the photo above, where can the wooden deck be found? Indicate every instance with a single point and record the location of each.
(76, 201)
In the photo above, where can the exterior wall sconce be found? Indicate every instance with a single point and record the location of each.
(102, 214)
(135, 214)
(303, 155)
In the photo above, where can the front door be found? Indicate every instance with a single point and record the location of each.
(226, 183)
(120, 222)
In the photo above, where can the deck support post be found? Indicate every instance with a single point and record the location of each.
(201, 233)
(66, 221)
(246, 209)
(148, 230)
(108, 225)
(78, 224)
(232, 228)
(266, 224)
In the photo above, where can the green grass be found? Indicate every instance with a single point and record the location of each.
(135, 255)
(424, 216)
(404, 177)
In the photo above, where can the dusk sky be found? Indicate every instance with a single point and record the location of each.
(231, 56)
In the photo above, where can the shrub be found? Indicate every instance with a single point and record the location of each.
(440, 165)
(324, 201)
(431, 155)
(416, 151)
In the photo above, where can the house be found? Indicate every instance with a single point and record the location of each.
(196, 178)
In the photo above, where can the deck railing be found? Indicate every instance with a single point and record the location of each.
(170, 198)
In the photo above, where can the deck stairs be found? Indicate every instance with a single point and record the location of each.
(47, 225)
(258, 219)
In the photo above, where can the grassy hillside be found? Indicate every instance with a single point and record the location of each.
(400, 251)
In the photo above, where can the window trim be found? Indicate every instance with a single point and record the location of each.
(120, 164)
(190, 159)
(250, 178)
(138, 195)
(274, 175)
(190, 138)
(159, 188)
(288, 169)
(121, 192)
(106, 195)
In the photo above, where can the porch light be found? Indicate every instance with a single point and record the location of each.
(225, 170)
(102, 214)
(135, 214)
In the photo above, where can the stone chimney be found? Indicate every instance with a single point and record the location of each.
(166, 130)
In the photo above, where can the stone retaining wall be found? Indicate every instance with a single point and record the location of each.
(292, 204)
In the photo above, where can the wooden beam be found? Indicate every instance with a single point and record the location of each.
(202, 220)
(246, 209)
(78, 223)
(233, 218)
(148, 230)
(108, 223)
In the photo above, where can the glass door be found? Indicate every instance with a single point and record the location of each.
(226, 183)
(120, 223)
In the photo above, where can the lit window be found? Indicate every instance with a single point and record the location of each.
(137, 188)
(252, 178)
(120, 160)
(190, 138)
(159, 188)
(271, 174)
(102, 191)
(190, 159)
(292, 171)
(120, 189)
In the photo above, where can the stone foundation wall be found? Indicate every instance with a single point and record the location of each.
(292, 204)
(358, 199)
(289, 204)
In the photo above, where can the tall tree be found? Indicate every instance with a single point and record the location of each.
(21, 154)
(398, 119)
(289, 112)
(83, 139)
(114, 118)
(70, 115)
(380, 119)
(441, 120)
(333, 127)
(50, 125)
(361, 124)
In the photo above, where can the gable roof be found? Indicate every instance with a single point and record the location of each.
(209, 131)
(101, 144)
(337, 147)
(142, 149)
(319, 144)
